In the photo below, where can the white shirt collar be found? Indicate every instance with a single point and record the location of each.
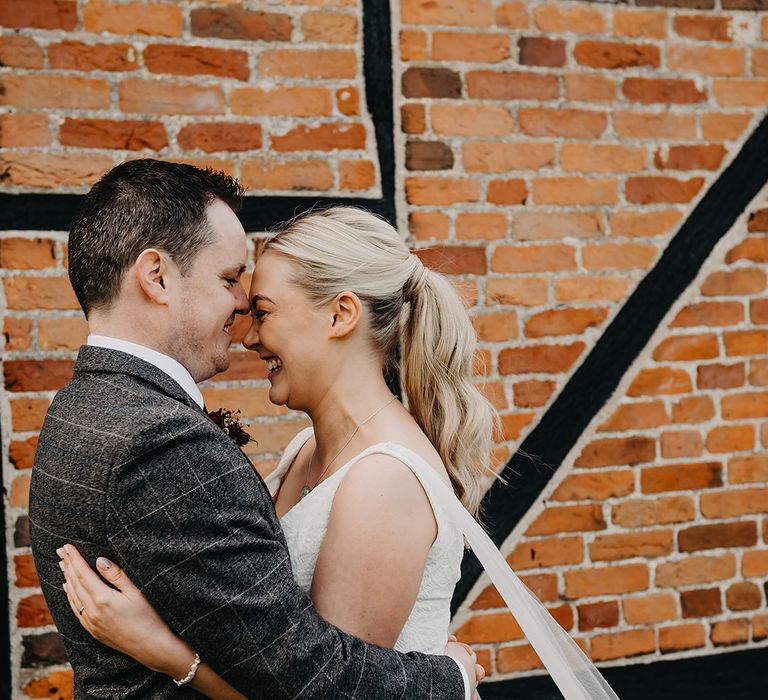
(171, 367)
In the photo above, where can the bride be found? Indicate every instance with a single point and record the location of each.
(364, 495)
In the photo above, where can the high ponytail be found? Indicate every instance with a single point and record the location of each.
(412, 311)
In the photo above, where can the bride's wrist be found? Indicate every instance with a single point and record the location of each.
(173, 657)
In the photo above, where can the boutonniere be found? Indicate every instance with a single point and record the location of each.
(228, 422)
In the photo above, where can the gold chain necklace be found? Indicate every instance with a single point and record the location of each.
(305, 490)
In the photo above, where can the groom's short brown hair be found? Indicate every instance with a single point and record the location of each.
(138, 205)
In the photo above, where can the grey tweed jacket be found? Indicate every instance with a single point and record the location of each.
(130, 468)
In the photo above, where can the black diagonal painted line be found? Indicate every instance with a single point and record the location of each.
(54, 212)
(595, 380)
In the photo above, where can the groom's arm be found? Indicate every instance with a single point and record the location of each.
(194, 528)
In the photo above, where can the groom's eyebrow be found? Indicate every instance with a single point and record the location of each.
(235, 271)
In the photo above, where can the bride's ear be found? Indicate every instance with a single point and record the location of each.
(152, 271)
(346, 310)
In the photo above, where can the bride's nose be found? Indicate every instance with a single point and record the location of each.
(251, 338)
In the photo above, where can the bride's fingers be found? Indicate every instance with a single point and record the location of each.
(116, 576)
(75, 589)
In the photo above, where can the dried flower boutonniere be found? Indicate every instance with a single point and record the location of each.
(228, 422)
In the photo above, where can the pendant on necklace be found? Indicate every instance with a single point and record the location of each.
(304, 492)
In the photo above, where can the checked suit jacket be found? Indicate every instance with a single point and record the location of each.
(129, 467)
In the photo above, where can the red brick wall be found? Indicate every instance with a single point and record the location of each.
(546, 153)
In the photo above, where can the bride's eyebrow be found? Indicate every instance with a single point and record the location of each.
(259, 297)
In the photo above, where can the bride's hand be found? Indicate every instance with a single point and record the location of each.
(121, 617)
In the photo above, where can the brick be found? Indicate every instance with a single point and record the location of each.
(161, 97)
(631, 23)
(27, 253)
(555, 551)
(734, 282)
(751, 248)
(533, 258)
(133, 18)
(495, 327)
(522, 292)
(492, 627)
(618, 256)
(758, 311)
(636, 416)
(454, 260)
(47, 170)
(307, 63)
(426, 225)
(660, 380)
(356, 175)
(657, 511)
(549, 359)
(681, 443)
(642, 223)
(648, 609)
(611, 580)
(556, 519)
(706, 157)
(493, 85)
(466, 46)
(720, 376)
(235, 23)
(705, 59)
(594, 615)
(19, 491)
(614, 451)
(62, 333)
(751, 342)
(596, 158)
(759, 627)
(663, 91)
(413, 118)
(471, 120)
(329, 27)
(703, 27)
(24, 568)
(28, 414)
(43, 650)
(323, 137)
(49, 90)
(464, 13)
(545, 225)
(613, 547)
(693, 409)
(220, 136)
(540, 51)
(597, 485)
(743, 595)
(748, 469)
(269, 174)
(533, 392)
(564, 322)
(480, 226)
(574, 190)
(650, 190)
(441, 191)
(413, 45)
(755, 563)
(76, 55)
(580, 20)
(21, 453)
(693, 570)
(25, 129)
(520, 657)
(737, 406)
(622, 644)
(589, 88)
(513, 15)
(691, 4)
(494, 157)
(282, 101)
(37, 375)
(758, 221)
(710, 313)
(728, 632)
(725, 504)
(759, 62)
(133, 135)
(20, 52)
(512, 191)
(722, 127)
(654, 126)
(731, 438)
(41, 14)
(58, 684)
(613, 55)
(585, 288)
(681, 477)
(512, 425)
(680, 637)
(702, 346)
(180, 59)
(17, 333)
(21, 532)
(701, 537)
(33, 612)
(431, 82)
(570, 123)
(740, 93)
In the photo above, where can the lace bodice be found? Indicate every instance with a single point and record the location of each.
(426, 629)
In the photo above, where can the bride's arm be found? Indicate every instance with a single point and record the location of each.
(122, 618)
(372, 558)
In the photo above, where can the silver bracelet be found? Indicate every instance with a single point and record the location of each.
(191, 674)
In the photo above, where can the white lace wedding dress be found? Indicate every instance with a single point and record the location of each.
(305, 525)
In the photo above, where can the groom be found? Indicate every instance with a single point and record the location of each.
(130, 467)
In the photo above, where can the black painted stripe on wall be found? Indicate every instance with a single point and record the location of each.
(593, 383)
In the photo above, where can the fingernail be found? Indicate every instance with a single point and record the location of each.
(103, 563)
(60, 551)
(61, 565)
(64, 586)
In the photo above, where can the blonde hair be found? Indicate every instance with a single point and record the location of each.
(413, 312)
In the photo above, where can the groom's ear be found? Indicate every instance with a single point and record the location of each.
(152, 272)
(347, 309)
